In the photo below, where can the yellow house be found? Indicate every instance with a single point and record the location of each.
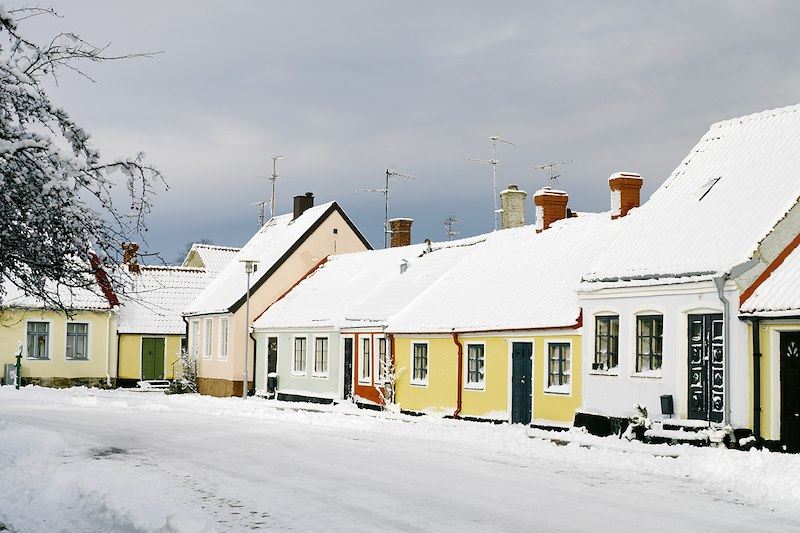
(151, 328)
(498, 337)
(772, 308)
(59, 349)
(285, 249)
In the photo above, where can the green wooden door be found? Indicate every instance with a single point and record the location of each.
(152, 359)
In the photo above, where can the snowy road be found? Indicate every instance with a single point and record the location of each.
(129, 462)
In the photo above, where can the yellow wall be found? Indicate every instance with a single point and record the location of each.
(130, 354)
(770, 374)
(440, 393)
(102, 326)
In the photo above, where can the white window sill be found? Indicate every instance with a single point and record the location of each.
(475, 386)
(37, 358)
(222, 358)
(85, 359)
(614, 372)
(419, 383)
(319, 376)
(299, 374)
(559, 390)
(647, 375)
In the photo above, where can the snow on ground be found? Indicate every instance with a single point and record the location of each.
(92, 460)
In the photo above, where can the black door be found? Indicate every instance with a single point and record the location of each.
(790, 390)
(348, 367)
(521, 382)
(272, 354)
(706, 367)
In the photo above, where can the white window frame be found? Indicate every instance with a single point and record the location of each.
(194, 338)
(88, 340)
(324, 373)
(362, 377)
(223, 341)
(412, 380)
(208, 337)
(548, 389)
(304, 371)
(386, 357)
(477, 385)
(49, 340)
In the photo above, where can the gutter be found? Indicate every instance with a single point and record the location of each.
(460, 379)
(255, 358)
(719, 282)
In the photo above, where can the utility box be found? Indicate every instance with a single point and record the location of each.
(9, 374)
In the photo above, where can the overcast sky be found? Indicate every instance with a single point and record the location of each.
(346, 91)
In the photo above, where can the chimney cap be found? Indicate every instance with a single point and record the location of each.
(549, 191)
(401, 218)
(625, 175)
(512, 188)
(309, 195)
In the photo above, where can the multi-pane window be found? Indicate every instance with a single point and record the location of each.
(365, 366)
(38, 340)
(299, 363)
(383, 360)
(223, 338)
(649, 339)
(321, 355)
(207, 330)
(420, 364)
(475, 364)
(558, 364)
(195, 338)
(77, 340)
(606, 342)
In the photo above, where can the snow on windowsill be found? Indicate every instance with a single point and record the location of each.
(648, 374)
(418, 383)
(319, 376)
(613, 372)
(475, 386)
(559, 389)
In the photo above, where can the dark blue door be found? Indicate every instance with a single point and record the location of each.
(521, 373)
(348, 368)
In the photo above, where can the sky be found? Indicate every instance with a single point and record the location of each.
(345, 91)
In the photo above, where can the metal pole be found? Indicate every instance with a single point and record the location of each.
(494, 179)
(248, 267)
(386, 212)
(274, 179)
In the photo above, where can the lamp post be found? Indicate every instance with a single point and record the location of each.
(250, 266)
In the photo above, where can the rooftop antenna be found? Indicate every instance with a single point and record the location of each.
(273, 178)
(494, 162)
(552, 177)
(261, 215)
(390, 175)
(449, 224)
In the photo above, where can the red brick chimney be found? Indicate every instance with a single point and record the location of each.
(401, 231)
(551, 206)
(129, 256)
(625, 188)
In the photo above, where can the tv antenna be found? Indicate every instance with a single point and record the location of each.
(391, 174)
(261, 215)
(273, 178)
(450, 224)
(494, 162)
(549, 167)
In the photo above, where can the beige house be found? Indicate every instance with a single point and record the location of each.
(286, 248)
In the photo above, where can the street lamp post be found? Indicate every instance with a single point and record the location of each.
(250, 266)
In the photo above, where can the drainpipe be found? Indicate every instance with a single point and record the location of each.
(756, 327)
(108, 349)
(719, 282)
(460, 379)
(255, 358)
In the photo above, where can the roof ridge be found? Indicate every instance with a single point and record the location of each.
(216, 246)
(760, 115)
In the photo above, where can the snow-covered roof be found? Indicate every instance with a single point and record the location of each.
(211, 257)
(156, 298)
(268, 246)
(324, 297)
(75, 298)
(779, 294)
(718, 205)
(516, 280)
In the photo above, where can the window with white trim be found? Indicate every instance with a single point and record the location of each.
(299, 359)
(383, 360)
(476, 363)
(38, 340)
(195, 338)
(558, 366)
(223, 338)
(365, 362)
(419, 374)
(208, 325)
(606, 342)
(321, 356)
(77, 341)
(649, 342)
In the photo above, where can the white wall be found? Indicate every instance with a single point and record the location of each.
(617, 394)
